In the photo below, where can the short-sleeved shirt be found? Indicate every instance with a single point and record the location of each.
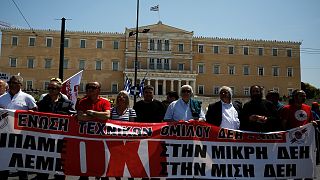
(179, 110)
(101, 105)
(149, 112)
(129, 113)
(296, 116)
(20, 101)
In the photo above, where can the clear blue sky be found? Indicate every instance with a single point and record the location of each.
(283, 20)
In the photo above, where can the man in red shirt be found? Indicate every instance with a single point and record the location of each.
(296, 113)
(93, 107)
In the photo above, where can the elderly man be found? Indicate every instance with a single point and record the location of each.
(185, 108)
(18, 100)
(3, 87)
(258, 114)
(297, 113)
(224, 113)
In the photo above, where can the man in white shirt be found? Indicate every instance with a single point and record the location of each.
(224, 113)
(185, 108)
(18, 100)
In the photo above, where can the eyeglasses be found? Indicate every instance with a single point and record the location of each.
(91, 87)
(186, 91)
(53, 88)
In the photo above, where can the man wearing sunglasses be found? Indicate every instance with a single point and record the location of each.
(17, 100)
(93, 106)
(185, 108)
(58, 80)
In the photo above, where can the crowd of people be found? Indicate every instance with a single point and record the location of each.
(258, 114)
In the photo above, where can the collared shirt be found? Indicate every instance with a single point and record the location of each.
(179, 110)
(230, 118)
(20, 101)
(100, 105)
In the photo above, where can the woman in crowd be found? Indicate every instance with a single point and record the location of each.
(121, 110)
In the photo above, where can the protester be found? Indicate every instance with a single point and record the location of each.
(149, 110)
(54, 102)
(58, 80)
(297, 113)
(17, 100)
(185, 108)
(224, 113)
(258, 114)
(274, 97)
(3, 87)
(93, 107)
(121, 110)
(315, 111)
(171, 96)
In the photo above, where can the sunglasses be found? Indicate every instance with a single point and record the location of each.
(91, 87)
(186, 91)
(12, 82)
(53, 88)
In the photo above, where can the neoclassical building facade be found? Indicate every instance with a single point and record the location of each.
(168, 57)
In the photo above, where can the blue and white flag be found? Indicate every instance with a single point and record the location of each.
(127, 85)
(155, 8)
(141, 87)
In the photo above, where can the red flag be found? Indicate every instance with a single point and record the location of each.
(71, 85)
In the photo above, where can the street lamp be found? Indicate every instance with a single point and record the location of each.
(136, 86)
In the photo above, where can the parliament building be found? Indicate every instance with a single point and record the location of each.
(168, 57)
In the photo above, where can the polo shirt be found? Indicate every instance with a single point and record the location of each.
(20, 101)
(101, 105)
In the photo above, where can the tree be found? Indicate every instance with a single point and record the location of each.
(311, 91)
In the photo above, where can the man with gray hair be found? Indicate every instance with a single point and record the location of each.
(224, 113)
(185, 108)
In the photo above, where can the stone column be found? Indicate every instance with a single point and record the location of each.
(179, 86)
(164, 87)
(156, 87)
(171, 85)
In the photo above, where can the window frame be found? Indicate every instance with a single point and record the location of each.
(83, 43)
(30, 42)
(47, 41)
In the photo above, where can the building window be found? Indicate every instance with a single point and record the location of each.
(231, 70)
(98, 65)
(151, 63)
(166, 64)
(82, 87)
(290, 90)
(289, 71)
(65, 63)
(49, 41)
(231, 49)
(66, 42)
(274, 51)
(245, 50)
(246, 91)
(216, 90)
(14, 41)
(115, 44)
(47, 63)
(159, 64)
(246, 70)
(99, 44)
(216, 49)
(260, 51)
(200, 48)
(115, 65)
(200, 89)
(260, 71)
(151, 44)
(29, 85)
(159, 45)
(114, 88)
(200, 68)
(82, 64)
(289, 52)
(139, 46)
(82, 43)
(32, 41)
(45, 85)
(180, 67)
(233, 90)
(276, 89)
(13, 62)
(216, 69)
(30, 63)
(180, 47)
(275, 71)
(166, 45)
